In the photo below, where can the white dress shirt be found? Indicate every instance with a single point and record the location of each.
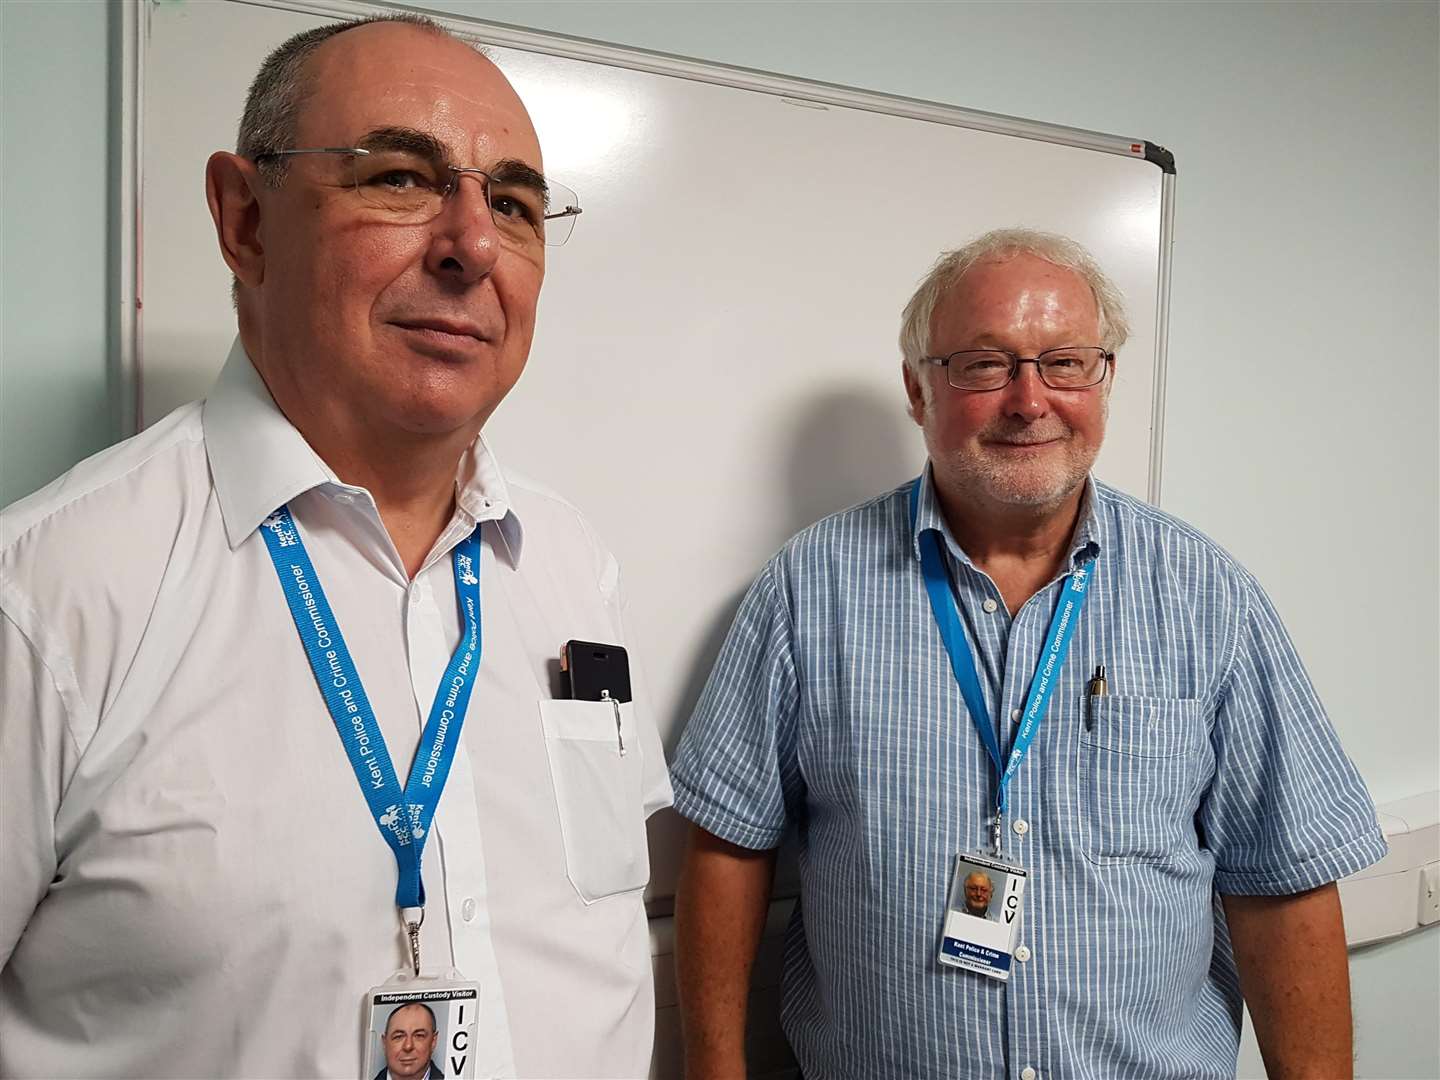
(193, 884)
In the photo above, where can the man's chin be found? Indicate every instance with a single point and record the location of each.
(1032, 493)
(435, 416)
(1033, 498)
(1006, 484)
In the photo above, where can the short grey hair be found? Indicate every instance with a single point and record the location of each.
(281, 87)
(1005, 244)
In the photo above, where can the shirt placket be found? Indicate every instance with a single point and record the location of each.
(1026, 639)
(455, 860)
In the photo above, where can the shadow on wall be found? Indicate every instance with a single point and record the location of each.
(850, 445)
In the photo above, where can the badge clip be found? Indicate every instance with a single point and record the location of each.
(412, 930)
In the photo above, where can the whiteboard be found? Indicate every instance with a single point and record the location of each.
(716, 363)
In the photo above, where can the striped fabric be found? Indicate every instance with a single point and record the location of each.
(1209, 768)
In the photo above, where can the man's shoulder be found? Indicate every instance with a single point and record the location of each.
(866, 531)
(1141, 532)
(557, 532)
(532, 496)
(107, 522)
(129, 481)
(550, 520)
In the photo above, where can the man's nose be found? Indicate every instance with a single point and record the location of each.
(1026, 395)
(465, 243)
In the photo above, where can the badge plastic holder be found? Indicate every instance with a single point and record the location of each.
(453, 1006)
(982, 916)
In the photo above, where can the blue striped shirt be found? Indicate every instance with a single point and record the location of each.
(1209, 768)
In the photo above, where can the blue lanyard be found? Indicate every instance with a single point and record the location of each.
(1042, 684)
(403, 817)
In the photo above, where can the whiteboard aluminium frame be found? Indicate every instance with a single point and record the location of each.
(129, 189)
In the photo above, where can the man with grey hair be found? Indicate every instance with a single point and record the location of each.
(979, 888)
(200, 879)
(1008, 663)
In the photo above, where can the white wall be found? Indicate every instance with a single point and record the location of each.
(1301, 413)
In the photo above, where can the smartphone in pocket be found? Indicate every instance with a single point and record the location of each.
(593, 671)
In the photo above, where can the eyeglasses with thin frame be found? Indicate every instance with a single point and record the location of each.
(409, 185)
(983, 370)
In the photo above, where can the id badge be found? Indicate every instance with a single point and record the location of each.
(421, 1028)
(982, 918)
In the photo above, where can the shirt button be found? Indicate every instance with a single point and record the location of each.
(1015, 715)
(467, 909)
(344, 497)
(1027, 1073)
(414, 597)
(989, 605)
(1022, 953)
(1021, 826)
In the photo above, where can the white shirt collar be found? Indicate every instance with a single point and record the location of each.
(259, 461)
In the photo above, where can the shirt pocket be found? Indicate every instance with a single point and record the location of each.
(599, 795)
(1138, 757)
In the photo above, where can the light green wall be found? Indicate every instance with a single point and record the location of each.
(1308, 142)
(55, 269)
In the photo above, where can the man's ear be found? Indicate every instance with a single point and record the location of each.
(230, 186)
(915, 392)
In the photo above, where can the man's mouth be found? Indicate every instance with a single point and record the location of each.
(1021, 444)
(450, 332)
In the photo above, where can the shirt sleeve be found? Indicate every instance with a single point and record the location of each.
(1287, 810)
(37, 755)
(735, 774)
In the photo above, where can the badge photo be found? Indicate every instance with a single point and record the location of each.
(422, 1033)
(982, 918)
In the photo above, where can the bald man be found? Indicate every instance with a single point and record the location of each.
(200, 877)
(409, 1042)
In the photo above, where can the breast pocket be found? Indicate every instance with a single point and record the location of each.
(1138, 760)
(598, 795)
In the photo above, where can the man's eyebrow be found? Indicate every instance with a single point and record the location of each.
(516, 172)
(411, 140)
